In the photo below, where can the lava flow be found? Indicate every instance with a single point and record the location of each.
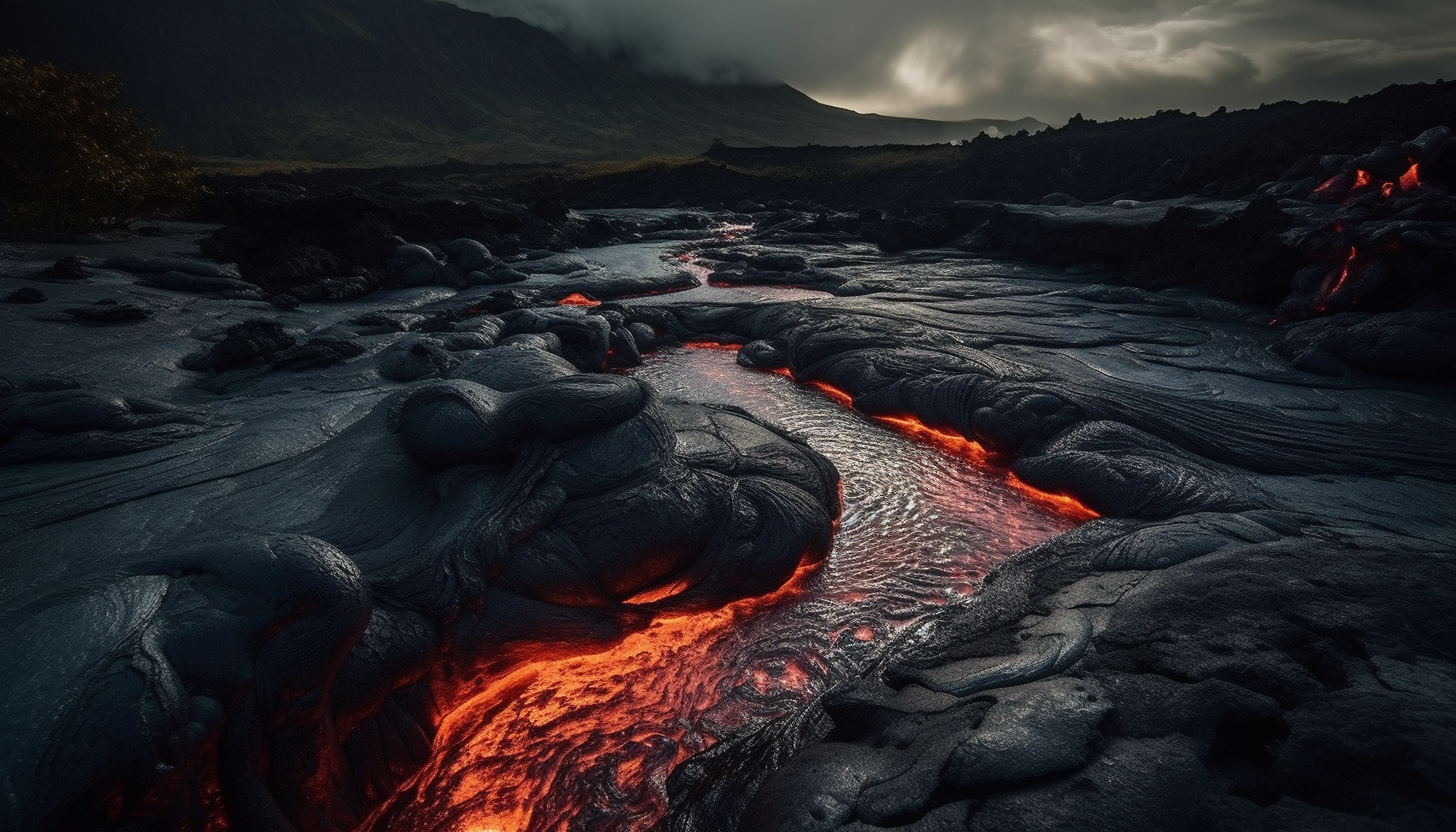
(586, 741)
(1345, 187)
(578, 299)
(955, 445)
(1340, 288)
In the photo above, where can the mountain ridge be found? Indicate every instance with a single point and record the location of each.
(417, 81)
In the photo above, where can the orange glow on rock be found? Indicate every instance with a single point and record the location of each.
(834, 393)
(712, 345)
(1066, 504)
(660, 593)
(1347, 270)
(956, 445)
(578, 299)
(1411, 179)
(1343, 187)
(622, 715)
(952, 444)
(1331, 188)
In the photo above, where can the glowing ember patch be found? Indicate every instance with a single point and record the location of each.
(864, 634)
(578, 299)
(1347, 270)
(834, 393)
(712, 345)
(658, 593)
(795, 677)
(1411, 179)
(1331, 187)
(955, 445)
(1066, 504)
(951, 443)
(1343, 185)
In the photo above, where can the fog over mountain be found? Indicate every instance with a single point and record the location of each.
(415, 81)
(1011, 58)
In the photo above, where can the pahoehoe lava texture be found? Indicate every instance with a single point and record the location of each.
(1252, 636)
(250, 609)
(250, 543)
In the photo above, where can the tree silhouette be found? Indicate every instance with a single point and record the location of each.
(73, 159)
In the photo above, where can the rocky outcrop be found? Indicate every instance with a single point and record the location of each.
(1248, 637)
(253, 610)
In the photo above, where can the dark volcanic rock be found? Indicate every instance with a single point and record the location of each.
(110, 311)
(285, 237)
(26, 294)
(315, 352)
(170, 263)
(333, 550)
(228, 287)
(265, 343)
(1253, 635)
(1224, 658)
(244, 345)
(1418, 345)
(41, 420)
(66, 268)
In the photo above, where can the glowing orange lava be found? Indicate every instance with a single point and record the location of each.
(1067, 505)
(832, 392)
(953, 444)
(949, 443)
(1347, 269)
(1411, 179)
(625, 714)
(578, 299)
(1343, 187)
(1330, 188)
(561, 737)
(712, 345)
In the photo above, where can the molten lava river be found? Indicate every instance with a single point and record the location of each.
(587, 741)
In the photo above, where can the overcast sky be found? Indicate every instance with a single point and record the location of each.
(1012, 58)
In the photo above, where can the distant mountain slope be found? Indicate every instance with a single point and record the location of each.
(370, 81)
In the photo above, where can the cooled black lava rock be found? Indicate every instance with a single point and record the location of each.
(26, 294)
(109, 311)
(1417, 345)
(293, 601)
(227, 287)
(248, 344)
(284, 237)
(66, 268)
(314, 353)
(42, 419)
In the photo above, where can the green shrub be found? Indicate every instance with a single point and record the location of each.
(73, 159)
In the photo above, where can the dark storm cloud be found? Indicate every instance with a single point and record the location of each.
(1010, 58)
